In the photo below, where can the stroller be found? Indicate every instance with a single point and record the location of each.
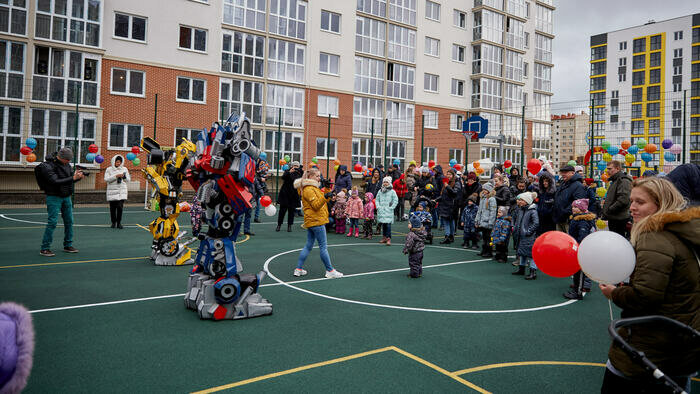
(640, 358)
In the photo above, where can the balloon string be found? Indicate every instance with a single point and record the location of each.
(610, 307)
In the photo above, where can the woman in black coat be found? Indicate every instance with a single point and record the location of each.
(374, 183)
(343, 179)
(545, 206)
(288, 198)
(446, 204)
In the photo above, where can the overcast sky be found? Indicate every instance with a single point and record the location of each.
(575, 21)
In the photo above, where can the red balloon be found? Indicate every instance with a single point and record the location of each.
(25, 150)
(445, 180)
(265, 201)
(431, 163)
(92, 148)
(358, 167)
(135, 150)
(534, 166)
(507, 164)
(458, 167)
(555, 254)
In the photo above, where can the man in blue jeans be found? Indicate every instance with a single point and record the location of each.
(56, 178)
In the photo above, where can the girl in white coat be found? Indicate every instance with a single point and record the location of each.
(117, 177)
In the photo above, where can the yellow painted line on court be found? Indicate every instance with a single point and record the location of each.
(294, 370)
(72, 262)
(523, 363)
(441, 370)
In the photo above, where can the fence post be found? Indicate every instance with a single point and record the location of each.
(75, 139)
(522, 142)
(155, 117)
(371, 145)
(590, 140)
(684, 125)
(386, 134)
(422, 138)
(279, 140)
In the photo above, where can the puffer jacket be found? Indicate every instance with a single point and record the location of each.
(386, 202)
(686, 178)
(354, 208)
(415, 241)
(501, 230)
(314, 204)
(665, 281)
(525, 229)
(368, 208)
(545, 204)
(617, 200)
(503, 195)
(581, 225)
(400, 187)
(57, 176)
(486, 216)
(342, 181)
(469, 218)
(447, 201)
(116, 190)
(566, 193)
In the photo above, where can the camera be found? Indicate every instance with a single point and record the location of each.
(82, 169)
(325, 183)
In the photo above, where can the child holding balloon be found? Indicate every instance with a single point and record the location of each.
(582, 223)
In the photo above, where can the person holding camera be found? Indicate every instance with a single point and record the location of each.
(117, 177)
(288, 198)
(56, 178)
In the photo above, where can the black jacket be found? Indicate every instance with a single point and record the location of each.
(503, 196)
(566, 193)
(58, 177)
(288, 195)
(447, 200)
(686, 177)
(617, 200)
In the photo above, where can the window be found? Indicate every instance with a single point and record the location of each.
(432, 47)
(400, 81)
(598, 53)
(430, 82)
(432, 10)
(182, 134)
(241, 96)
(374, 7)
(403, 11)
(328, 64)
(429, 153)
(525, 70)
(655, 43)
(322, 147)
(10, 134)
(623, 45)
(458, 53)
(638, 61)
(637, 126)
(457, 87)
(678, 52)
(637, 94)
(543, 79)
(396, 150)
(621, 77)
(290, 100)
(515, 33)
(598, 68)
(13, 18)
(328, 105)
(696, 35)
(431, 119)
(543, 48)
(191, 90)
(288, 18)
(460, 19)
(402, 44)
(285, 60)
(543, 19)
(130, 27)
(128, 82)
(517, 8)
(653, 126)
(370, 36)
(513, 98)
(622, 61)
(639, 45)
(487, 59)
(654, 76)
(369, 75)
(653, 110)
(456, 122)
(678, 35)
(401, 119)
(364, 152)
(615, 94)
(243, 53)
(11, 69)
(250, 13)
(514, 66)
(365, 112)
(653, 93)
(457, 154)
(289, 144)
(330, 21)
(655, 59)
(193, 39)
(488, 25)
(69, 21)
(638, 78)
(54, 129)
(60, 75)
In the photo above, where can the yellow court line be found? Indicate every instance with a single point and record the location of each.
(293, 370)
(72, 262)
(522, 363)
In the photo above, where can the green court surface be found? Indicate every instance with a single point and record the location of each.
(108, 320)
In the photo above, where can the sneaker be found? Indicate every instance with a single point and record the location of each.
(70, 249)
(333, 274)
(299, 272)
(249, 233)
(47, 253)
(572, 295)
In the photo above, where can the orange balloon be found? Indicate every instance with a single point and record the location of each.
(31, 157)
(650, 148)
(336, 162)
(479, 171)
(604, 177)
(625, 144)
(476, 164)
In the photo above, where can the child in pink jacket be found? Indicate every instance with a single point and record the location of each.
(368, 214)
(354, 210)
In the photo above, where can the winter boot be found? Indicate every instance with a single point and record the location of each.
(388, 242)
(349, 234)
(383, 241)
(278, 228)
(445, 241)
(357, 233)
(520, 271)
(289, 228)
(533, 274)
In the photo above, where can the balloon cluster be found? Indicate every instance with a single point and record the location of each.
(266, 202)
(132, 156)
(28, 149)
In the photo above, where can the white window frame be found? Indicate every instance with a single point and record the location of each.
(430, 78)
(432, 8)
(360, 145)
(71, 22)
(371, 37)
(65, 77)
(127, 83)
(401, 44)
(454, 153)
(8, 72)
(456, 18)
(331, 15)
(278, 59)
(334, 148)
(277, 19)
(234, 101)
(365, 109)
(277, 97)
(401, 119)
(429, 153)
(130, 32)
(255, 55)
(456, 122)
(237, 13)
(431, 119)
(455, 84)
(393, 151)
(330, 103)
(456, 53)
(289, 140)
(371, 82)
(11, 10)
(677, 35)
(5, 135)
(325, 59)
(402, 82)
(191, 87)
(193, 31)
(432, 47)
(126, 146)
(402, 11)
(64, 136)
(191, 134)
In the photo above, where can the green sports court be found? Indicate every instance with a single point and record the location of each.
(108, 320)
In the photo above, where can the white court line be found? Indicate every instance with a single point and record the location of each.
(4, 216)
(263, 285)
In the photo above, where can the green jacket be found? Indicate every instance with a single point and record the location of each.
(665, 281)
(617, 201)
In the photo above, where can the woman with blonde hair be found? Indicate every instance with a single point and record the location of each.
(665, 281)
(315, 205)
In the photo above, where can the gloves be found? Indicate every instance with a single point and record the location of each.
(328, 195)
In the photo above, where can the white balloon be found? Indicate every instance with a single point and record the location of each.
(270, 210)
(606, 257)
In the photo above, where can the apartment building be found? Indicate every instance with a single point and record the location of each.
(645, 83)
(382, 77)
(569, 138)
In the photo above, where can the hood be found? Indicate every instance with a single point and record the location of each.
(543, 175)
(342, 167)
(114, 158)
(51, 156)
(300, 183)
(438, 169)
(370, 195)
(583, 216)
(684, 225)
(532, 206)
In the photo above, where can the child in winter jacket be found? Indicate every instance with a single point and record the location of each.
(415, 243)
(338, 212)
(386, 202)
(486, 218)
(501, 234)
(368, 214)
(426, 220)
(467, 221)
(525, 232)
(400, 188)
(353, 210)
(581, 224)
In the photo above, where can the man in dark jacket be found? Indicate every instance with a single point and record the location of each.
(569, 189)
(616, 209)
(57, 179)
(686, 178)
(288, 198)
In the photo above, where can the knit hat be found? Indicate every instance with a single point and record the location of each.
(472, 198)
(423, 204)
(16, 347)
(415, 221)
(369, 196)
(578, 168)
(581, 204)
(503, 210)
(341, 194)
(65, 153)
(528, 197)
(472, 175)
(387, 179)
(295, 164)
(488, 186)
(589, 181)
